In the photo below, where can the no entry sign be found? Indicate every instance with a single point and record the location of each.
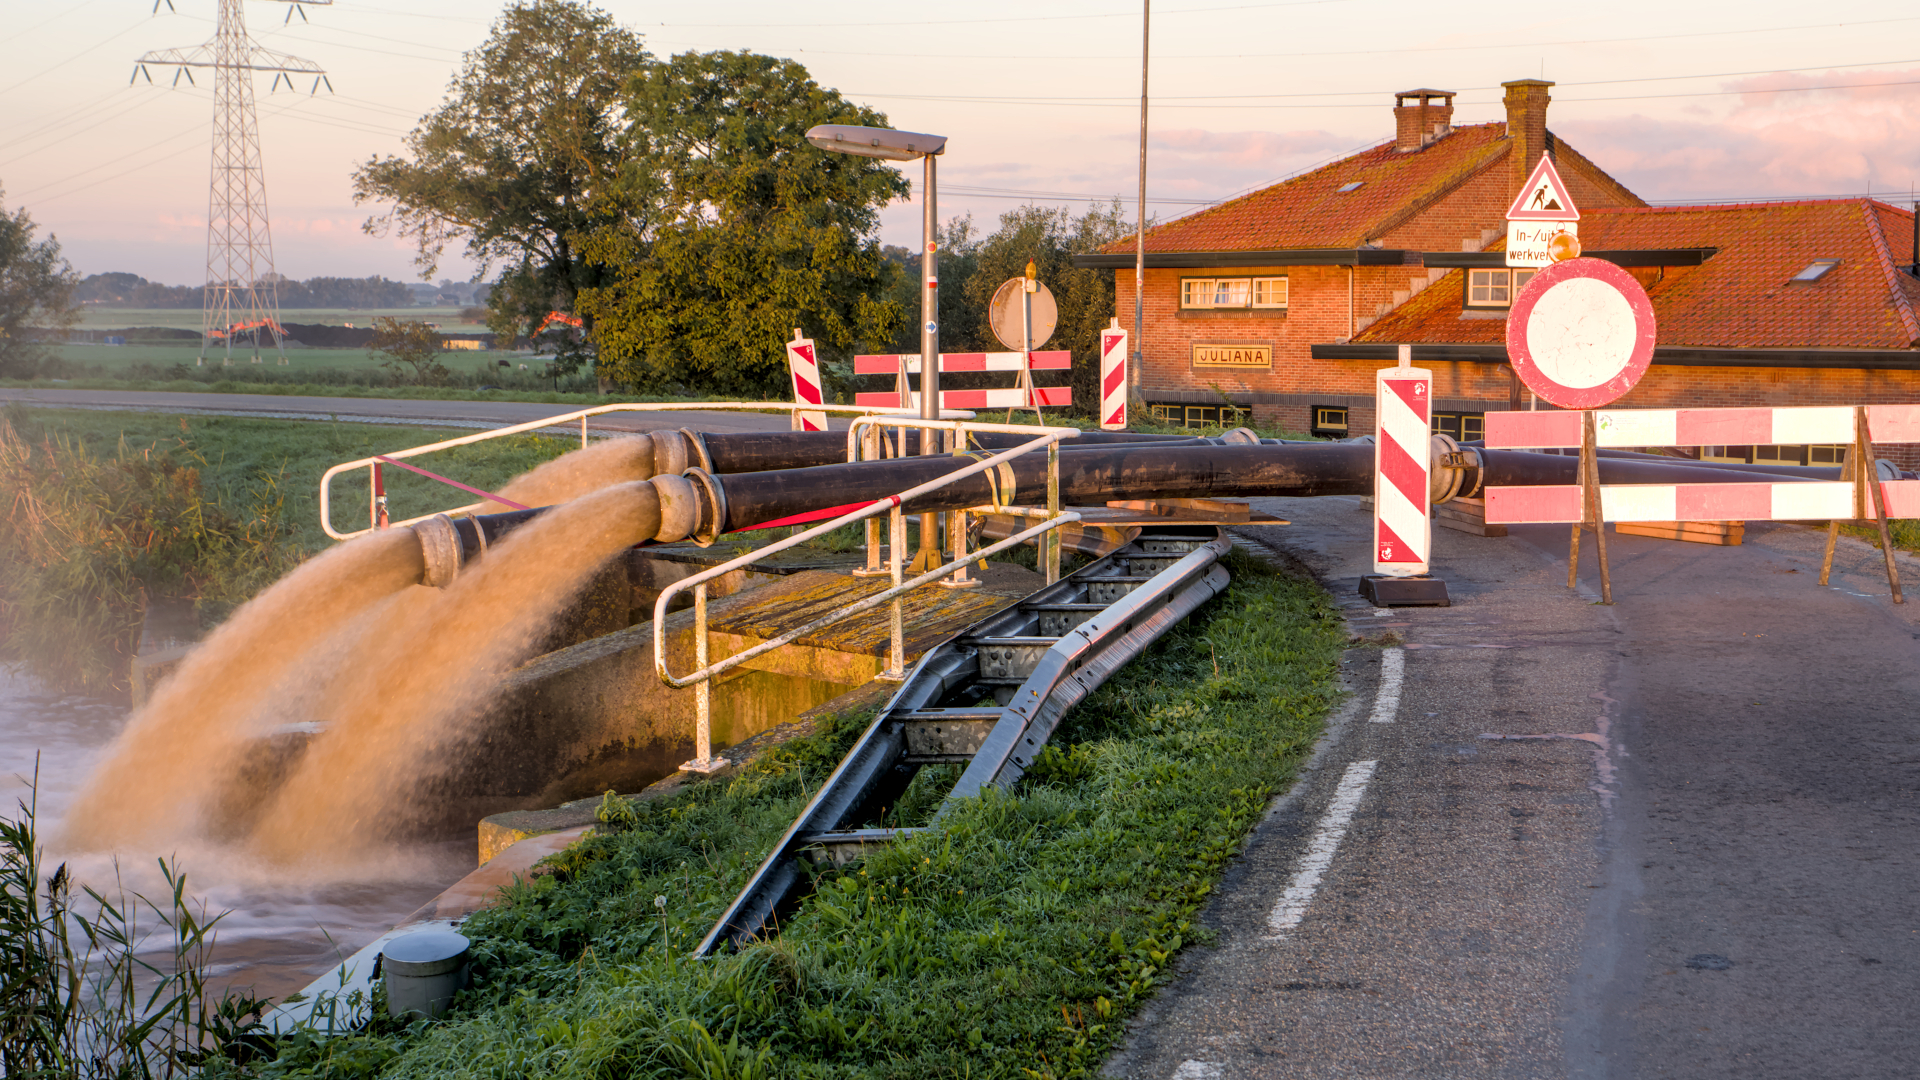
(1581, 333)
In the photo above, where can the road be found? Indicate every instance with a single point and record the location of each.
(463, 414)
(1674, 837)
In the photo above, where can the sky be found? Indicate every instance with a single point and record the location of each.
(1040, 101)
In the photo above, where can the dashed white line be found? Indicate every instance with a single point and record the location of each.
(1393, 668)
(1199, 1070)
(1326, 841)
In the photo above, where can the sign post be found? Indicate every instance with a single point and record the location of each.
(1580, 335)
(804, 366)
(1113, 377)
(1402, 468)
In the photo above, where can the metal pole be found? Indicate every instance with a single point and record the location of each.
(583, 432)
(928, 556)
(1140, 212)
(897, 655)
(1051, 542)
(703, 692)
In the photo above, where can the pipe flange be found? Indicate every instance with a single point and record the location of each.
(439, 550)
(669, 453)
(1240, 436)
(679, 508)
(710, 504)
(1443, 483)
(697, 445)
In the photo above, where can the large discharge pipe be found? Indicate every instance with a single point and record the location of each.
(701, 506)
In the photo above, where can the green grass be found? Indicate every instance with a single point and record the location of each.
(237, 454)
(93, 317)
(1012, 941)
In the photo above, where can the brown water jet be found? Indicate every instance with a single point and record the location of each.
(153, 785)
(394, 719)
(573, 474)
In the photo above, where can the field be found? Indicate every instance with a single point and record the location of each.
(118, 359)
(107, 318)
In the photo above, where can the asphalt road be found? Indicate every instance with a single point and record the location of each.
(462, 414)
(1675, 837)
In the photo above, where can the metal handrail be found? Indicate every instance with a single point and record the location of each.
(701, 678)
(373, 463)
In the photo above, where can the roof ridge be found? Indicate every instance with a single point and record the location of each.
(1901, 302)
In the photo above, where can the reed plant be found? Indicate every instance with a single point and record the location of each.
(80, 994)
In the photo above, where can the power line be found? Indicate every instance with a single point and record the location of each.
(1128, 14)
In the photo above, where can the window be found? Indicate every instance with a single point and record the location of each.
(1741, 454)
(1826, 455)
(1199, 415)
(1464, 427)
(1817, 454)
(1816, 270)
(1349, 187)
(1780, 455)
(1495, 288)
(1330, 421)
(1261, 292)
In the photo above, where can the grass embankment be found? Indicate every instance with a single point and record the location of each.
(99, 508)
(1011, 941)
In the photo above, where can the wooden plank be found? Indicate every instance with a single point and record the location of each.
(1722, 533)
(1467, 516)
(1228, 510)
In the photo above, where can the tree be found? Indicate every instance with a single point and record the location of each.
(411, 350)
(517, 159)
(36, 293)
(750, 231)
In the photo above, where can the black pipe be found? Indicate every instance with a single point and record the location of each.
(1097, 475)
(758, 451)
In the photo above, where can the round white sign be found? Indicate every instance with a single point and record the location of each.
(1581, 333)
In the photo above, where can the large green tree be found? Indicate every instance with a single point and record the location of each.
(519, 159)
(36, 293)
(735, 231)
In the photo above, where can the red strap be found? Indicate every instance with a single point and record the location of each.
(455, 483)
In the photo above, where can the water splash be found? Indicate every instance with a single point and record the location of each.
(152, 787)
(572, 475)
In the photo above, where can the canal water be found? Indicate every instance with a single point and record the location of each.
(285, 923)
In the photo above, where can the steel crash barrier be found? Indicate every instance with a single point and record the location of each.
(1862, 493)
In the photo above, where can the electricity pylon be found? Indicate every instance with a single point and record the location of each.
(243, 291)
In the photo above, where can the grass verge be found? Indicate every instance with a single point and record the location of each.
(1011, 942)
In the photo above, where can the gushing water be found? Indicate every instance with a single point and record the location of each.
(153, 786)
(570, 476)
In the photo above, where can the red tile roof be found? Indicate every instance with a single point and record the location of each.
(1741, 297)
(1309, 211)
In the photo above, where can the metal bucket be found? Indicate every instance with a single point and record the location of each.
(423, 971)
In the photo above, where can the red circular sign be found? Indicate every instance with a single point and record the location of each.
(1581, 333)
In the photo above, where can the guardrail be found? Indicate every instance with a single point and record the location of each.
(701, 678)
(372, 464)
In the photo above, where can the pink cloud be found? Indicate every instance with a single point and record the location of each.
(1853, 133)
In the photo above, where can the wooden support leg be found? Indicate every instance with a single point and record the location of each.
(1591, 471)
(1573, 543)
(1848, 474)
(1868, 470)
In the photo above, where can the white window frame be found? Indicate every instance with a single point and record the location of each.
(1502, 281)
(1271, 286)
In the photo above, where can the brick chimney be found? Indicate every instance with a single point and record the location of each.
(1428, 117)
(1526, 103)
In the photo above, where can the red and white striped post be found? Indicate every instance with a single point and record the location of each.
(1402, 462)
(1113, 377)
(805, 368)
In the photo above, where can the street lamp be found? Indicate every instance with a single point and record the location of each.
(892, 145)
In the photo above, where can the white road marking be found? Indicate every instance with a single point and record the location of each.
(1326, 840)
(1199, 1070)
(1393, 667)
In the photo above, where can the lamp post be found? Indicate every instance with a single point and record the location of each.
(891, 145)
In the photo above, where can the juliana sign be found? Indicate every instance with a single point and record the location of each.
(1233, 354)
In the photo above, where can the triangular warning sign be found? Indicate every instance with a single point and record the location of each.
(1543, 197)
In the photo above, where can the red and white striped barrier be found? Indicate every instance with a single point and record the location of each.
(1760, 501)
(1828, 424)
(1402, 460)
(805, 368)
(1004, 398)
(1113, 377)
(891, 363)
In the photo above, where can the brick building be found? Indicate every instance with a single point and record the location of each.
(1238, 294)
(1801, 303)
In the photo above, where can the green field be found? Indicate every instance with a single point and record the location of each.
(122, 358)
(109, 318)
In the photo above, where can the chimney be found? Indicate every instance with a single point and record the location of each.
(1429, 117)
(1526, 103)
